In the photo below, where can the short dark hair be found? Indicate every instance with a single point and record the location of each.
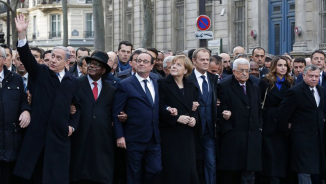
(190, 52)
(218, 60)
(126, 43)
(153, 50)
(317, 51)
(300, 60)
(83, 49)
(135, 53)
(47, 52)
(5, 46)
(38, 50)
(80, 61)
(268, 59)
(258, 48)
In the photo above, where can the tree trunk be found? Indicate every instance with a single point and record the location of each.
(148, 24)
(99, 32)
(65, 23)
(14, 33)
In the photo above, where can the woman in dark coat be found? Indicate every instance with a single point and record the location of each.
(177, 123)
(275, 144)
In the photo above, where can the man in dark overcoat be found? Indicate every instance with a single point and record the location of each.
(240, 138)
(93, 144)
(301, 110)
(45, 152)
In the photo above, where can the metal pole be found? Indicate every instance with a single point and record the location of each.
(8, 23)
(202, 11)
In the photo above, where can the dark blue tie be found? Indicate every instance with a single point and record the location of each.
(204, 87)
(148, 93)
(25, 86)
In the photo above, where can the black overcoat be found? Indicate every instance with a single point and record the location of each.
(177, 140)
(240, 139)
(92, 145)
(275, 144)
(299, 108)
(50, 118)
(13, 102)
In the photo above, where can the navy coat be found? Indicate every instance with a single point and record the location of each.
(92, 145)
(143, 118)
(13, 101)
(299, 108)
(50, 119)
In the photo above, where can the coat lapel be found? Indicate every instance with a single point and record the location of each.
(322, 98)
(192, 78)
(309, 95)
(175, 91)
(235, 86)
(87, 88)
(105, 87)
(140, 89)
(155, 91)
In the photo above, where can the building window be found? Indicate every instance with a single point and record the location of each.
(323, 24)
(128, 21)
(240, 20)
(55, 26)
(89, 33)
(179, 25)
(34, 27)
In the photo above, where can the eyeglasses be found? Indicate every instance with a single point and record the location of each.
(95, 65)
(243, 71)
(142, 61)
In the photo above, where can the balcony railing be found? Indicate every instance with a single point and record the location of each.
(54, 34)
(88, 34)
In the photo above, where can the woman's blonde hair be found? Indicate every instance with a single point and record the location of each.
(185, 61)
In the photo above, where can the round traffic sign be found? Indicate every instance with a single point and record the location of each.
(203, 22)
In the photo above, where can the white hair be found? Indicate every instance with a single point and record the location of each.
(167, 60)
(240, 61)
(67, 52)
(3, 52)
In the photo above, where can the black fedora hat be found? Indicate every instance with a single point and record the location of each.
(101, 57)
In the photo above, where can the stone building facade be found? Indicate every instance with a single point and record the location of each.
(249, 23)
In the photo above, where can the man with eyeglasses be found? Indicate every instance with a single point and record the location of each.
(92, 146)
(44, 156)
(240, 133)
(138, 97)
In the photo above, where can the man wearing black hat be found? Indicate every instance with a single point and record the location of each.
(92, 146)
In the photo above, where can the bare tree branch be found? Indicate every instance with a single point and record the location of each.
(9, 7)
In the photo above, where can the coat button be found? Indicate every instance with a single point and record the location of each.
(248, 107)
(16, 131)
(250, 119)
(94, 117)
(250, 132)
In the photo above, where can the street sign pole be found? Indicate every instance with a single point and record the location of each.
(202, 11)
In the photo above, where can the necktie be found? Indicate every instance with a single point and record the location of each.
(319, 82)
(204, 87)
(244, 89)
(24, 82)
(148, 93)
(95, 90)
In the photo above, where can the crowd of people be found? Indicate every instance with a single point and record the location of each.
(143, 116)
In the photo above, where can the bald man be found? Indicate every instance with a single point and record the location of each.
(226, 60)
(113, 62)
(238, 50)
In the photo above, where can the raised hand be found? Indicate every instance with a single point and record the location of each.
(21, 23)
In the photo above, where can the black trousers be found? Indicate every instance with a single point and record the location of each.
(6, 170)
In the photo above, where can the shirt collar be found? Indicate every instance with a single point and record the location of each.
(198, 74)
(62, 73)
(26, 75)
(99, 82)
(242, 84)
(314, 88)
(2, 74)
(321, 73)
(140, 79)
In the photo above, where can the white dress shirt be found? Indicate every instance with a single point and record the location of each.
(61, 75)
(22, 42)
(150, 85)
(2, 75)
(99, 85)
(316, 95)
(25, 81)
(321, 77)
(200, 80)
